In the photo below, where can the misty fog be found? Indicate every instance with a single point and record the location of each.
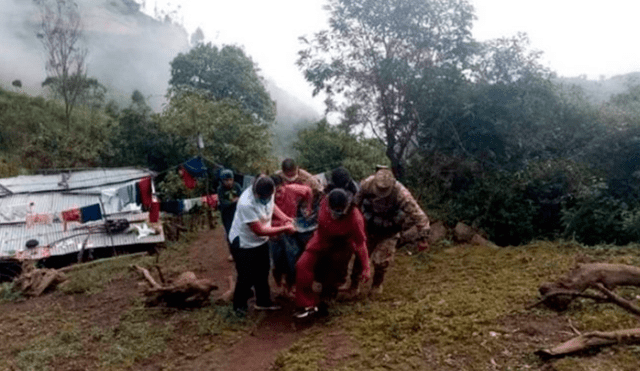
(127, 51)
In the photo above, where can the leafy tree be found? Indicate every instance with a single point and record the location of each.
(506, 60)
(324, 147)
(34, 131)
(139, 140)
(61, 33)
(80, 90)
(381, 55)
(222, 73)
(232, 137)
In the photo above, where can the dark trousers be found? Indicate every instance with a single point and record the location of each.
(253, 266)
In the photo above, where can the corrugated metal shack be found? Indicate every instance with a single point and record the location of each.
(31, 225)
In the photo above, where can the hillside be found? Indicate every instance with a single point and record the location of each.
(598, 91)
(455, 307)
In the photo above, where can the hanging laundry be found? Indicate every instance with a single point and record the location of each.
(71, 215)
(173, 207)
(211, 200)
(195, 167)
(128, 194)
(188, 180)
(144, 186)
(90, 213)
(111, 200)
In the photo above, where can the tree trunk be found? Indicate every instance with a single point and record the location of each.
(185, 291)
(559, 294)
(590, 340)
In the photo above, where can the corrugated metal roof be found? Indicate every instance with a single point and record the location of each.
(53, 241)
(43, 197)
(68, 181)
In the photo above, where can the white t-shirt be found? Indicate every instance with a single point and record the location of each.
(249, 210)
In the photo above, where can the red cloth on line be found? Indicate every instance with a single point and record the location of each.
(211, 200)
(71, 215)
(348, 231)
(144, 186)
(189, 181)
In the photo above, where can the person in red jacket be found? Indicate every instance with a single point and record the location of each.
(286, 249)
(340, 233)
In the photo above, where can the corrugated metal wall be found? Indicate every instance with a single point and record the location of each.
(48, 195)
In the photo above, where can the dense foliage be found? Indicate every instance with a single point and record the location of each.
(223, 73)
(480, 132)
(324, 147)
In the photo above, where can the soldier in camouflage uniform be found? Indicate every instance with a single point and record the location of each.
(388, 209)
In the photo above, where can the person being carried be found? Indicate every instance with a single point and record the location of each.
(249, 237)
(286, 249)
(228, 193)
(388, 208)
(291, 173)
(340, 233)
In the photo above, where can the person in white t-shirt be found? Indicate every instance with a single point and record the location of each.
(249, 237)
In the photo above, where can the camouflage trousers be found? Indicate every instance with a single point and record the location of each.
(382, 250)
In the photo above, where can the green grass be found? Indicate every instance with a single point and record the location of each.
(52, 337)
(65, 343)
(446, 310)
(453, 308)
(8, 292)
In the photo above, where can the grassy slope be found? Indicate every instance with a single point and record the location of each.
(455, 308)
(463, 308)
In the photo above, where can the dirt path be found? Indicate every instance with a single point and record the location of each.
(275, 331)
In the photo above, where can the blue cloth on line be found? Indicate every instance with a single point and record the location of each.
(195, 167)
(90, 213)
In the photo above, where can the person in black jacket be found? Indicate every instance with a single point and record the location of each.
(228, 193)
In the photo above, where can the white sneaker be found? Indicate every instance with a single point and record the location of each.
(306, 312)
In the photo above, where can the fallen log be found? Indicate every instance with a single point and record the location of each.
(34, 282)
(604, 278)
(559, 294)
(186, 291)
(592, 340)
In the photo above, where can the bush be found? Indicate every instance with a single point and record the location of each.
(600, 219)
(497, 205)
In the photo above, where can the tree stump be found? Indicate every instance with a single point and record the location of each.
(186, 291)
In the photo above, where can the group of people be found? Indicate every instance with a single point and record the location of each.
(302, 232)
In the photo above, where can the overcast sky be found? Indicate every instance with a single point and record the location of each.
(577, 37)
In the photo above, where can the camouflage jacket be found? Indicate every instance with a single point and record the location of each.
(305, 178)
(392, 214)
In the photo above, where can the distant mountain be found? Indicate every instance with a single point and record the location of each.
(598, 91)
(292, 116)
(127, 50)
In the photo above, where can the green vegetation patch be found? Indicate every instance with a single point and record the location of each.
(464, 308)
(93, 278)
(39, 353)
